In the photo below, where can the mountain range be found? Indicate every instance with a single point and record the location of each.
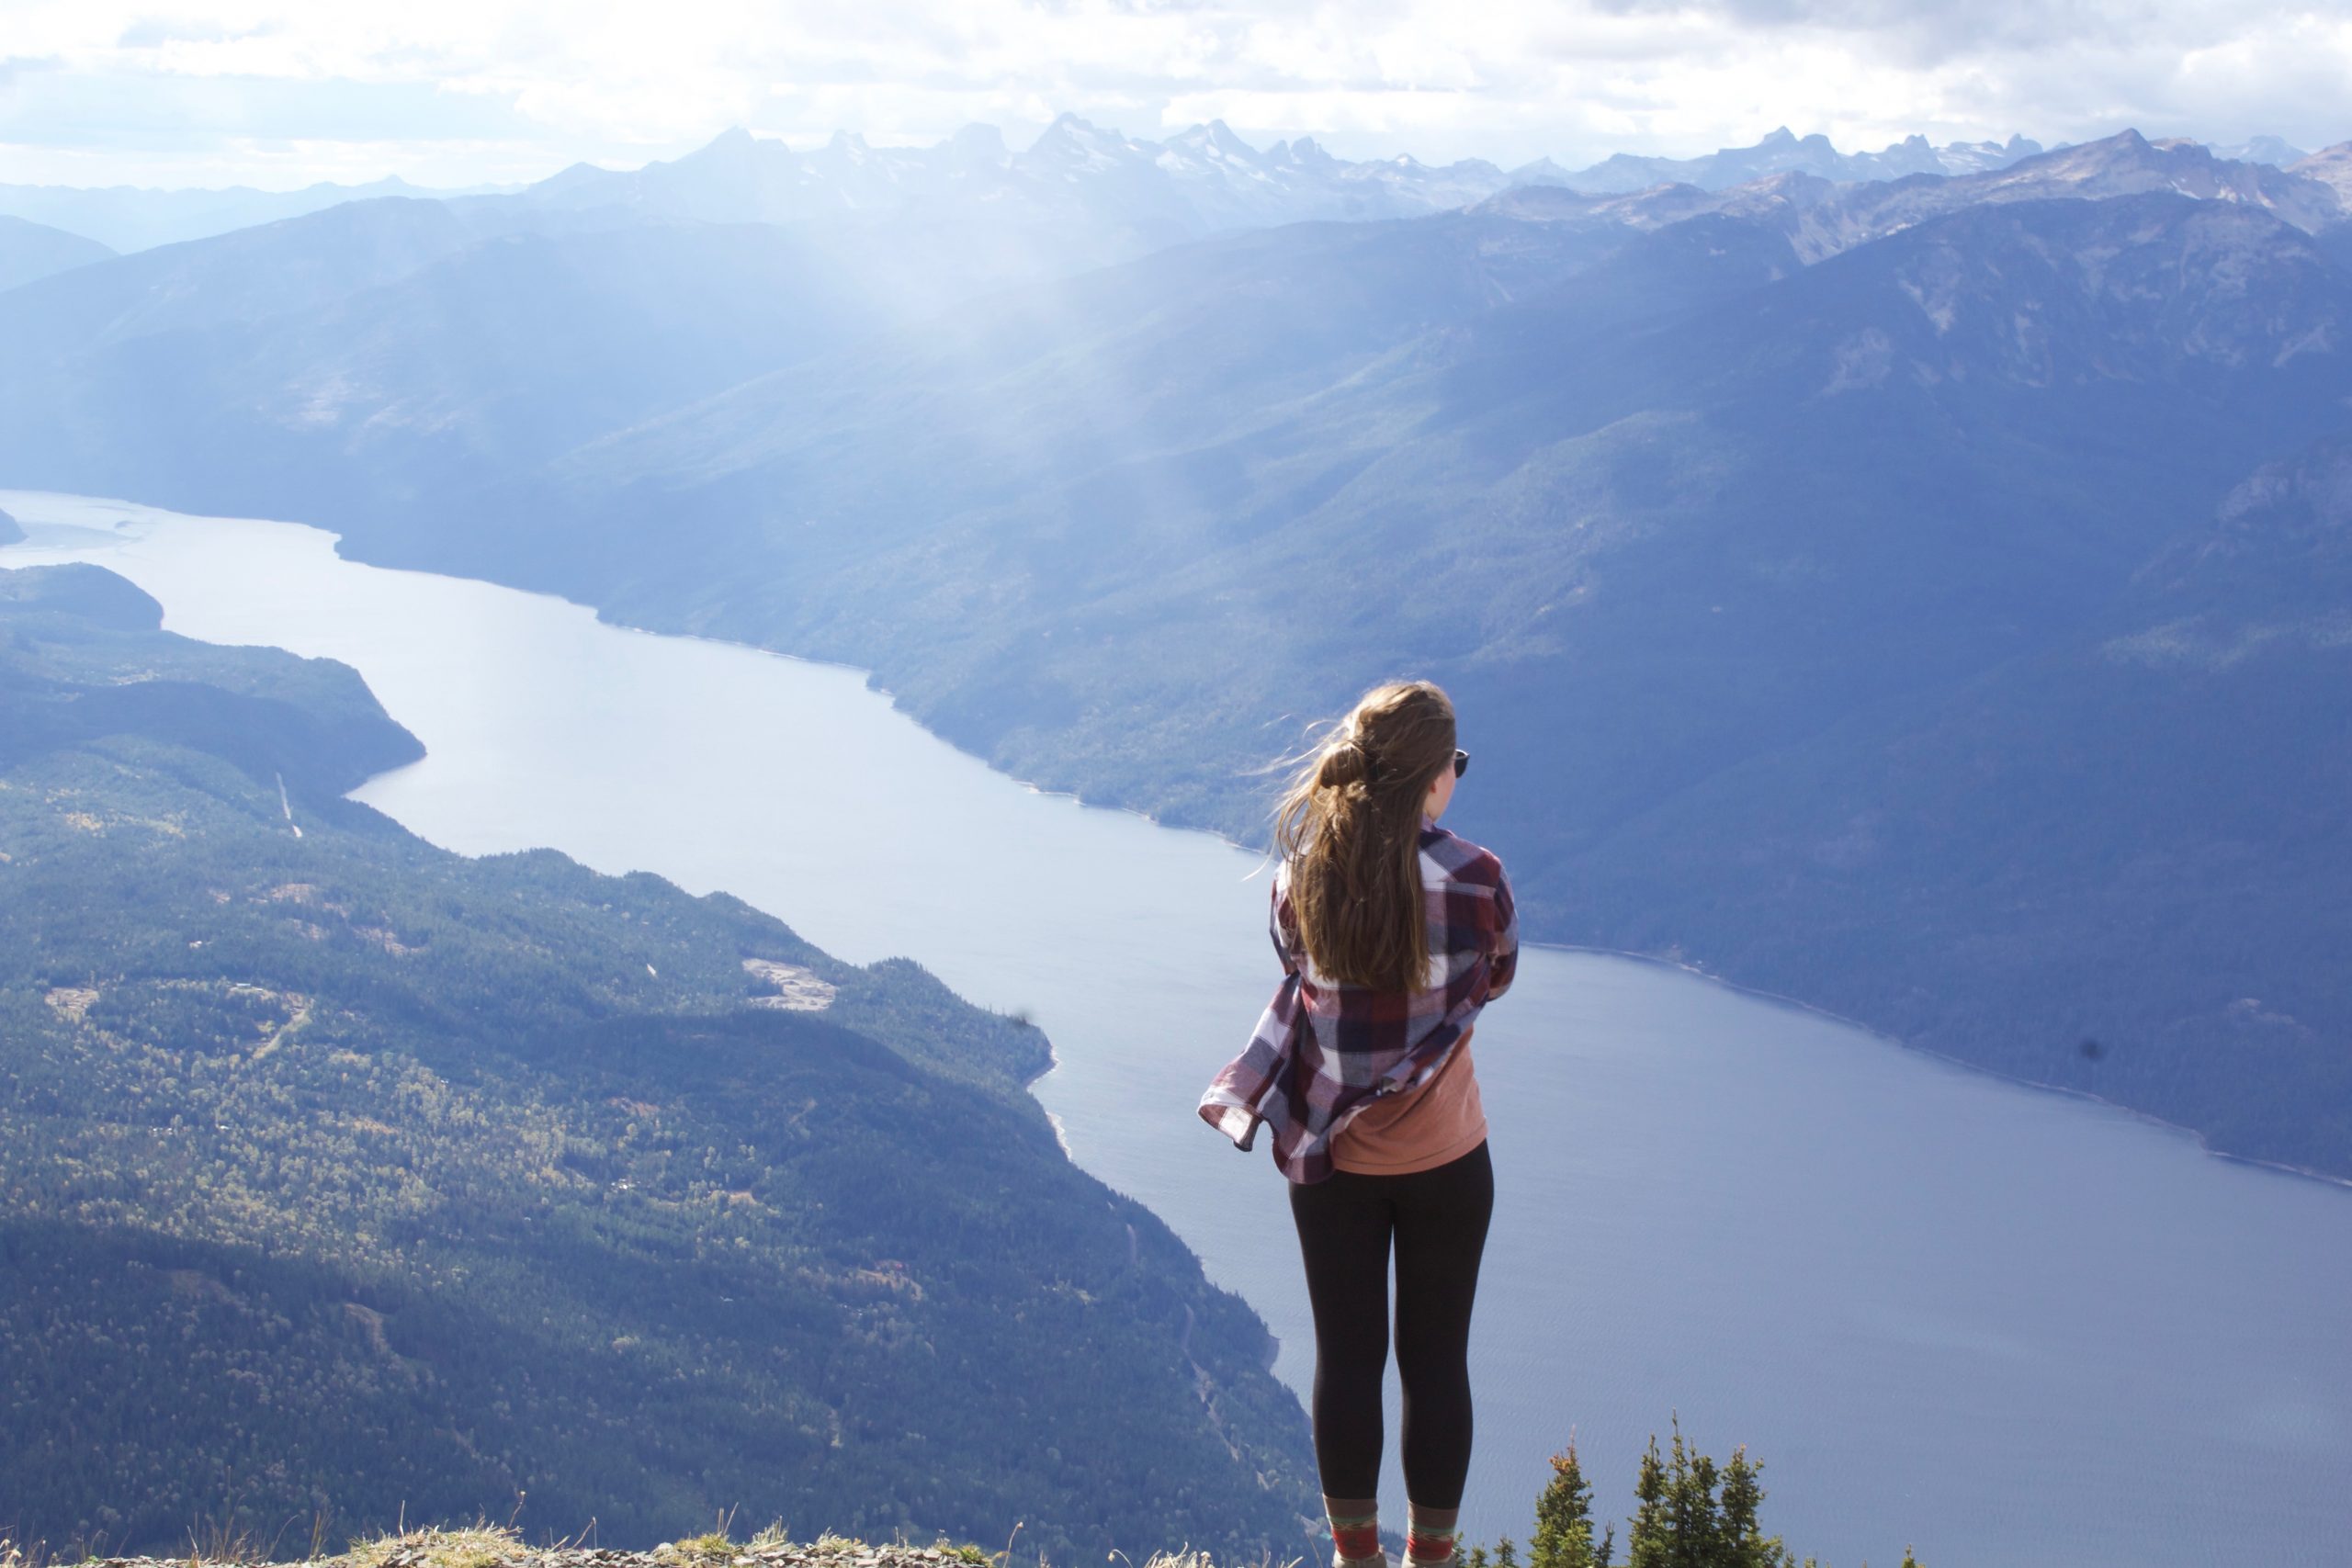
(134, 217)
(1093, 184)
(1199, 181)
(1910, 595)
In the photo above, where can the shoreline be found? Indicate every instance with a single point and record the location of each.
(2069, 1091)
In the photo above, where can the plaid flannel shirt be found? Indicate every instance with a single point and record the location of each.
(1324, 1049)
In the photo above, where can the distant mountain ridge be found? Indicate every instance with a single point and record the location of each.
(1197, 180)
(1784, 152)
(1078, 178)
(30, 251)
(131, 218)
(1823, 218)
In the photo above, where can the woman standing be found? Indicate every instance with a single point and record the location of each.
(1393, 933)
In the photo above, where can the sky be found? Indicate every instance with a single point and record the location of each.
(454, 93)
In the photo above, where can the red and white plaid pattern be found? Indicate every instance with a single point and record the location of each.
(1325, 1048)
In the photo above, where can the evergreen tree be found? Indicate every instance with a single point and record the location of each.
(1744, 1543)
(1690, 1512)
(1505, 1554)
(1564, 1518)
(1648, 1540)
(1693, 1532)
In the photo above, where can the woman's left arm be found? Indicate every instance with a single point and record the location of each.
(1502, 950)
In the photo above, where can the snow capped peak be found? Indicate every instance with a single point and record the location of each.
(2128, 163)
(1073, 149)
(2331, 166)
(1070, 136)
(1215, 140)
(733, 154)
(1307, 153)
(733, 147)
(2271, 149)
(1976, 157)
(2126, 150)
(1068, 127)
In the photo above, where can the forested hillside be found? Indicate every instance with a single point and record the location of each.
(341, 1173)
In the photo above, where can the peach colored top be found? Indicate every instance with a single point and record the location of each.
(1439, 1121)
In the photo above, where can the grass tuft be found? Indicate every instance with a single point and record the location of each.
(478, 1545)
(715, 1545)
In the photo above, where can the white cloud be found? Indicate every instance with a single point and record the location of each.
(452, 91)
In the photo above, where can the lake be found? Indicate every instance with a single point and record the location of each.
(2012, 1328)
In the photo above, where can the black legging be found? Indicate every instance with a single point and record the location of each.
(1438, 1219)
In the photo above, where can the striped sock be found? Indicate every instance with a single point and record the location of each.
(1432, 1536)
(1355, 1529)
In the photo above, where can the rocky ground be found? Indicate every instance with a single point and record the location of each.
(495, 1547)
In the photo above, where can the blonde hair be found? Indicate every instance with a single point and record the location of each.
(1348, 824)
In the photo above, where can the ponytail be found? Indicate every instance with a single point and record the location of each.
(1348, 824)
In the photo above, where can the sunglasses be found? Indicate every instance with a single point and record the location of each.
(1461, 763)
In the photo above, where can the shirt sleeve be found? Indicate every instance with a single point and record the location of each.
(1503, 940)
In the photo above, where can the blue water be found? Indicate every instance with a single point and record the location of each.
(2013, 1328)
